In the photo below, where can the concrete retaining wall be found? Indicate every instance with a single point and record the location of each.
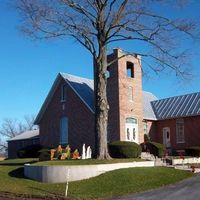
(58, 173)
(185, 161)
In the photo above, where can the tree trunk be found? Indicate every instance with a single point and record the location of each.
(101, 104)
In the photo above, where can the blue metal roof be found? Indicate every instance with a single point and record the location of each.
(179, 106)
(148, 112)
(83, 87)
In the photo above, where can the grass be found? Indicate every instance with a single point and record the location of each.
(18, 161)
(87, 162)
(111, 184)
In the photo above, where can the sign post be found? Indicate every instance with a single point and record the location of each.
(67, 185)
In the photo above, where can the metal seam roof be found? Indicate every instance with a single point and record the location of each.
(178, 106)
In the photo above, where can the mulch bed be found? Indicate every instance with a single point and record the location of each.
(11, 196)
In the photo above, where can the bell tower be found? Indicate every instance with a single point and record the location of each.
(124, 91)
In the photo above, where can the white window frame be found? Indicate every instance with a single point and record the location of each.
(180, 137)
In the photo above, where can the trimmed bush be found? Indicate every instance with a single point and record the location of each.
(120, 149)
(193, 151)
(45, 155)
(31, 151)
(146, 138)
(154, 148)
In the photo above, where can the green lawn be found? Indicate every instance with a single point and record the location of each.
(87, 162)
(18, 161)
(115, 183)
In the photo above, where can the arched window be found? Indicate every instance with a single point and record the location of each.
(63, 93)
(64, 130)
(130, 69)
(131, 120)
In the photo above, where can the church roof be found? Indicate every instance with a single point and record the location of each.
(178, 106)
(83, 87)
(26, 135)
(153, 109)
(148, 112)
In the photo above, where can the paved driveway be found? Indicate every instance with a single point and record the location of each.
(188, 189)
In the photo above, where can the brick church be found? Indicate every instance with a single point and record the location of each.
(67, 115)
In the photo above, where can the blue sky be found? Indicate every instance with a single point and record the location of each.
(28, 68)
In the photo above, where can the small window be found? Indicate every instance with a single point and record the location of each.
(63, 93)
(108, 73)
(180, 138)
(130, 93)
(130, 70)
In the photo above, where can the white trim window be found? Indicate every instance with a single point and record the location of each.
(180, 137)
(63, 93)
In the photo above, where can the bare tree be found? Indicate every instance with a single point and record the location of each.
(96, 24)
(12, 127)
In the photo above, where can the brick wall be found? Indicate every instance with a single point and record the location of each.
(191, 132)
(80, 120)
(118, 85)
(151, 129)
(113, 100)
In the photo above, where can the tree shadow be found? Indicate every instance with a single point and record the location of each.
(17, 173)
(49, 195)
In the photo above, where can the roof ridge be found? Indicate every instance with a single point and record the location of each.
(63, 74)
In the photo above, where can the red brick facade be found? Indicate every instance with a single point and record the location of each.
(191, 132)
(120, 105)
(80, 117)
(80, 120)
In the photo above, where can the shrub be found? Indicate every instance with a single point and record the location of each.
(45, 155)
(193, 151)
(120, 149)
(146, 138)
(154, 148)
(31, 151)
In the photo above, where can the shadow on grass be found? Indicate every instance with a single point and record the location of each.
(17, 173)
(49, 194)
